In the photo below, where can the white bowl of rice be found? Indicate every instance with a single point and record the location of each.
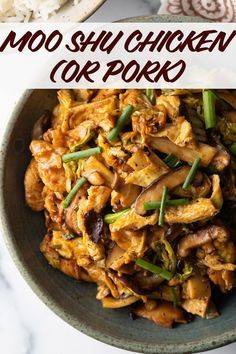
(47, 10)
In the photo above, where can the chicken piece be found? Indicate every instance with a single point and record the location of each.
(102, 291)
(33, 187)
(98, 197)
(163, 314)
(67, 266)
(105, 93)
(225, 279)
(70, 268)
(214, 262)
(50, 166)
(83, 95)
(133, 221)
(102, 277)
(102, 112)
(200, 190)
(49, 253)
(146, 168)
(180, 133)
(115, 254)
(130, 245)
(136, 98)
(196, 306)
(171, 103)
(198, 209)
(125, 196)
(201, 237)
(133, 241)
(65, 97)
(53, 206)
(114, 156)
(80, 135)
(149, 121)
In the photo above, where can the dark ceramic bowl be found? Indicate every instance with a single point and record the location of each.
(75, 302)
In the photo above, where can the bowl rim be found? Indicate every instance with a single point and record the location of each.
(87, 15)
(131, 345)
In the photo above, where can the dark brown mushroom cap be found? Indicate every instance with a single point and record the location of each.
(153, 192)
(94, 225)
(200, 238)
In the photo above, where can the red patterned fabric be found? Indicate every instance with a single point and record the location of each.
(214, 10)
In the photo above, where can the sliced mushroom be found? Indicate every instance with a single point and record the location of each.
(205, 152)
(111, 303)
(163, 314)
(154, 191)
(230, 98)
(41, 125)
(148, 281)
(201, 237)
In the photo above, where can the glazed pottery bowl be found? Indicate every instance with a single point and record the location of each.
(75, 302)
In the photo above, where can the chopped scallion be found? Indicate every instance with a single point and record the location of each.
(153, 268)
(172, 161)
(121, 122)
(75, 156)
(209, 109)
(192, 173)
(73, 192)
(162, 206)
(170, 202)
(110, 218)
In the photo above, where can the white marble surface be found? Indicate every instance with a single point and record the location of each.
(27, 326)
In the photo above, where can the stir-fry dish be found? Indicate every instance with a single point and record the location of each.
(139, 194)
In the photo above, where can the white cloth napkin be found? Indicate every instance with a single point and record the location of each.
(214, 10)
